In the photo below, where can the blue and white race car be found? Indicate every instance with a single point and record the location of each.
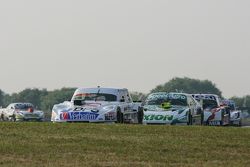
(98, 105)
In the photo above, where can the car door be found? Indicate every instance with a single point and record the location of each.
(129, 113)
(196, 113)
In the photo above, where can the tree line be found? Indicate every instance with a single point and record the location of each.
(44, 99)
(40, 98)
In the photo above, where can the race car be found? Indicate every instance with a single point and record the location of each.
(21, 112)
(235, 114)
(215, 112)
(98, 105)
(171, 108)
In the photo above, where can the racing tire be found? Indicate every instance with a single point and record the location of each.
(119, 116)
(190, 119)
(240, 123)
(222, 119)
(2, 117)
(140, 115)
(13, 119)
(202, 118)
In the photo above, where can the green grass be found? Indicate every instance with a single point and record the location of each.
(75, 144)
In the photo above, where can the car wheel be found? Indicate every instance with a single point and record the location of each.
(119, 116)
(39, 120)
(140, 115)
(13, 119)
(222, 119)
(190, 119)
(240, 123)
(2, 117)
(202, 117)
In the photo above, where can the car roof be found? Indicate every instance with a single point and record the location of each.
(100, 90)
(176, 93)
(204, 96)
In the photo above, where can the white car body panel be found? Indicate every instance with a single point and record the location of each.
(215, 115)
(97, 111)
(177, 114)
(21, 115)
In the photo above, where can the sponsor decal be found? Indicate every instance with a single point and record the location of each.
(207, 97)
(64, 116)
(92, 108)
(158, 117)
(155, 96)
(78, 116)
(111, 116)
(214, 123)
(177, 96)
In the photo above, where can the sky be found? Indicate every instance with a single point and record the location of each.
(134, 44)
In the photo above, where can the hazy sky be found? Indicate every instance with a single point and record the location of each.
(136, 44)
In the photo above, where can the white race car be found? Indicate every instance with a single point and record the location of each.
(98, 105)
(235, 114)
(215, 113)
(172, 108)
(21, 112)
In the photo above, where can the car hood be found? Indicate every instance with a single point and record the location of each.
(88, 106)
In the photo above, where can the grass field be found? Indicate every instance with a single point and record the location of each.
(47, 144)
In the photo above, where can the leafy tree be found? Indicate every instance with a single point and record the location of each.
(1, 98)
(6, 100)
(138, 96)
(188, 85)
(33, 96)
(242, 101)
(55, 97)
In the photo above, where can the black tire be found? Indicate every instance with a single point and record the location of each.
(13, 119)
(140, 115)
(190, 119)
(222, 119)
(240, 123)
(202, 118)
(39, 120)
(119, 116)
(2, 117)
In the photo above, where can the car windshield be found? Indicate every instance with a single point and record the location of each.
(229, 104)
(209, 104)
(173, 99)
(24, 106)
(80, 99)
